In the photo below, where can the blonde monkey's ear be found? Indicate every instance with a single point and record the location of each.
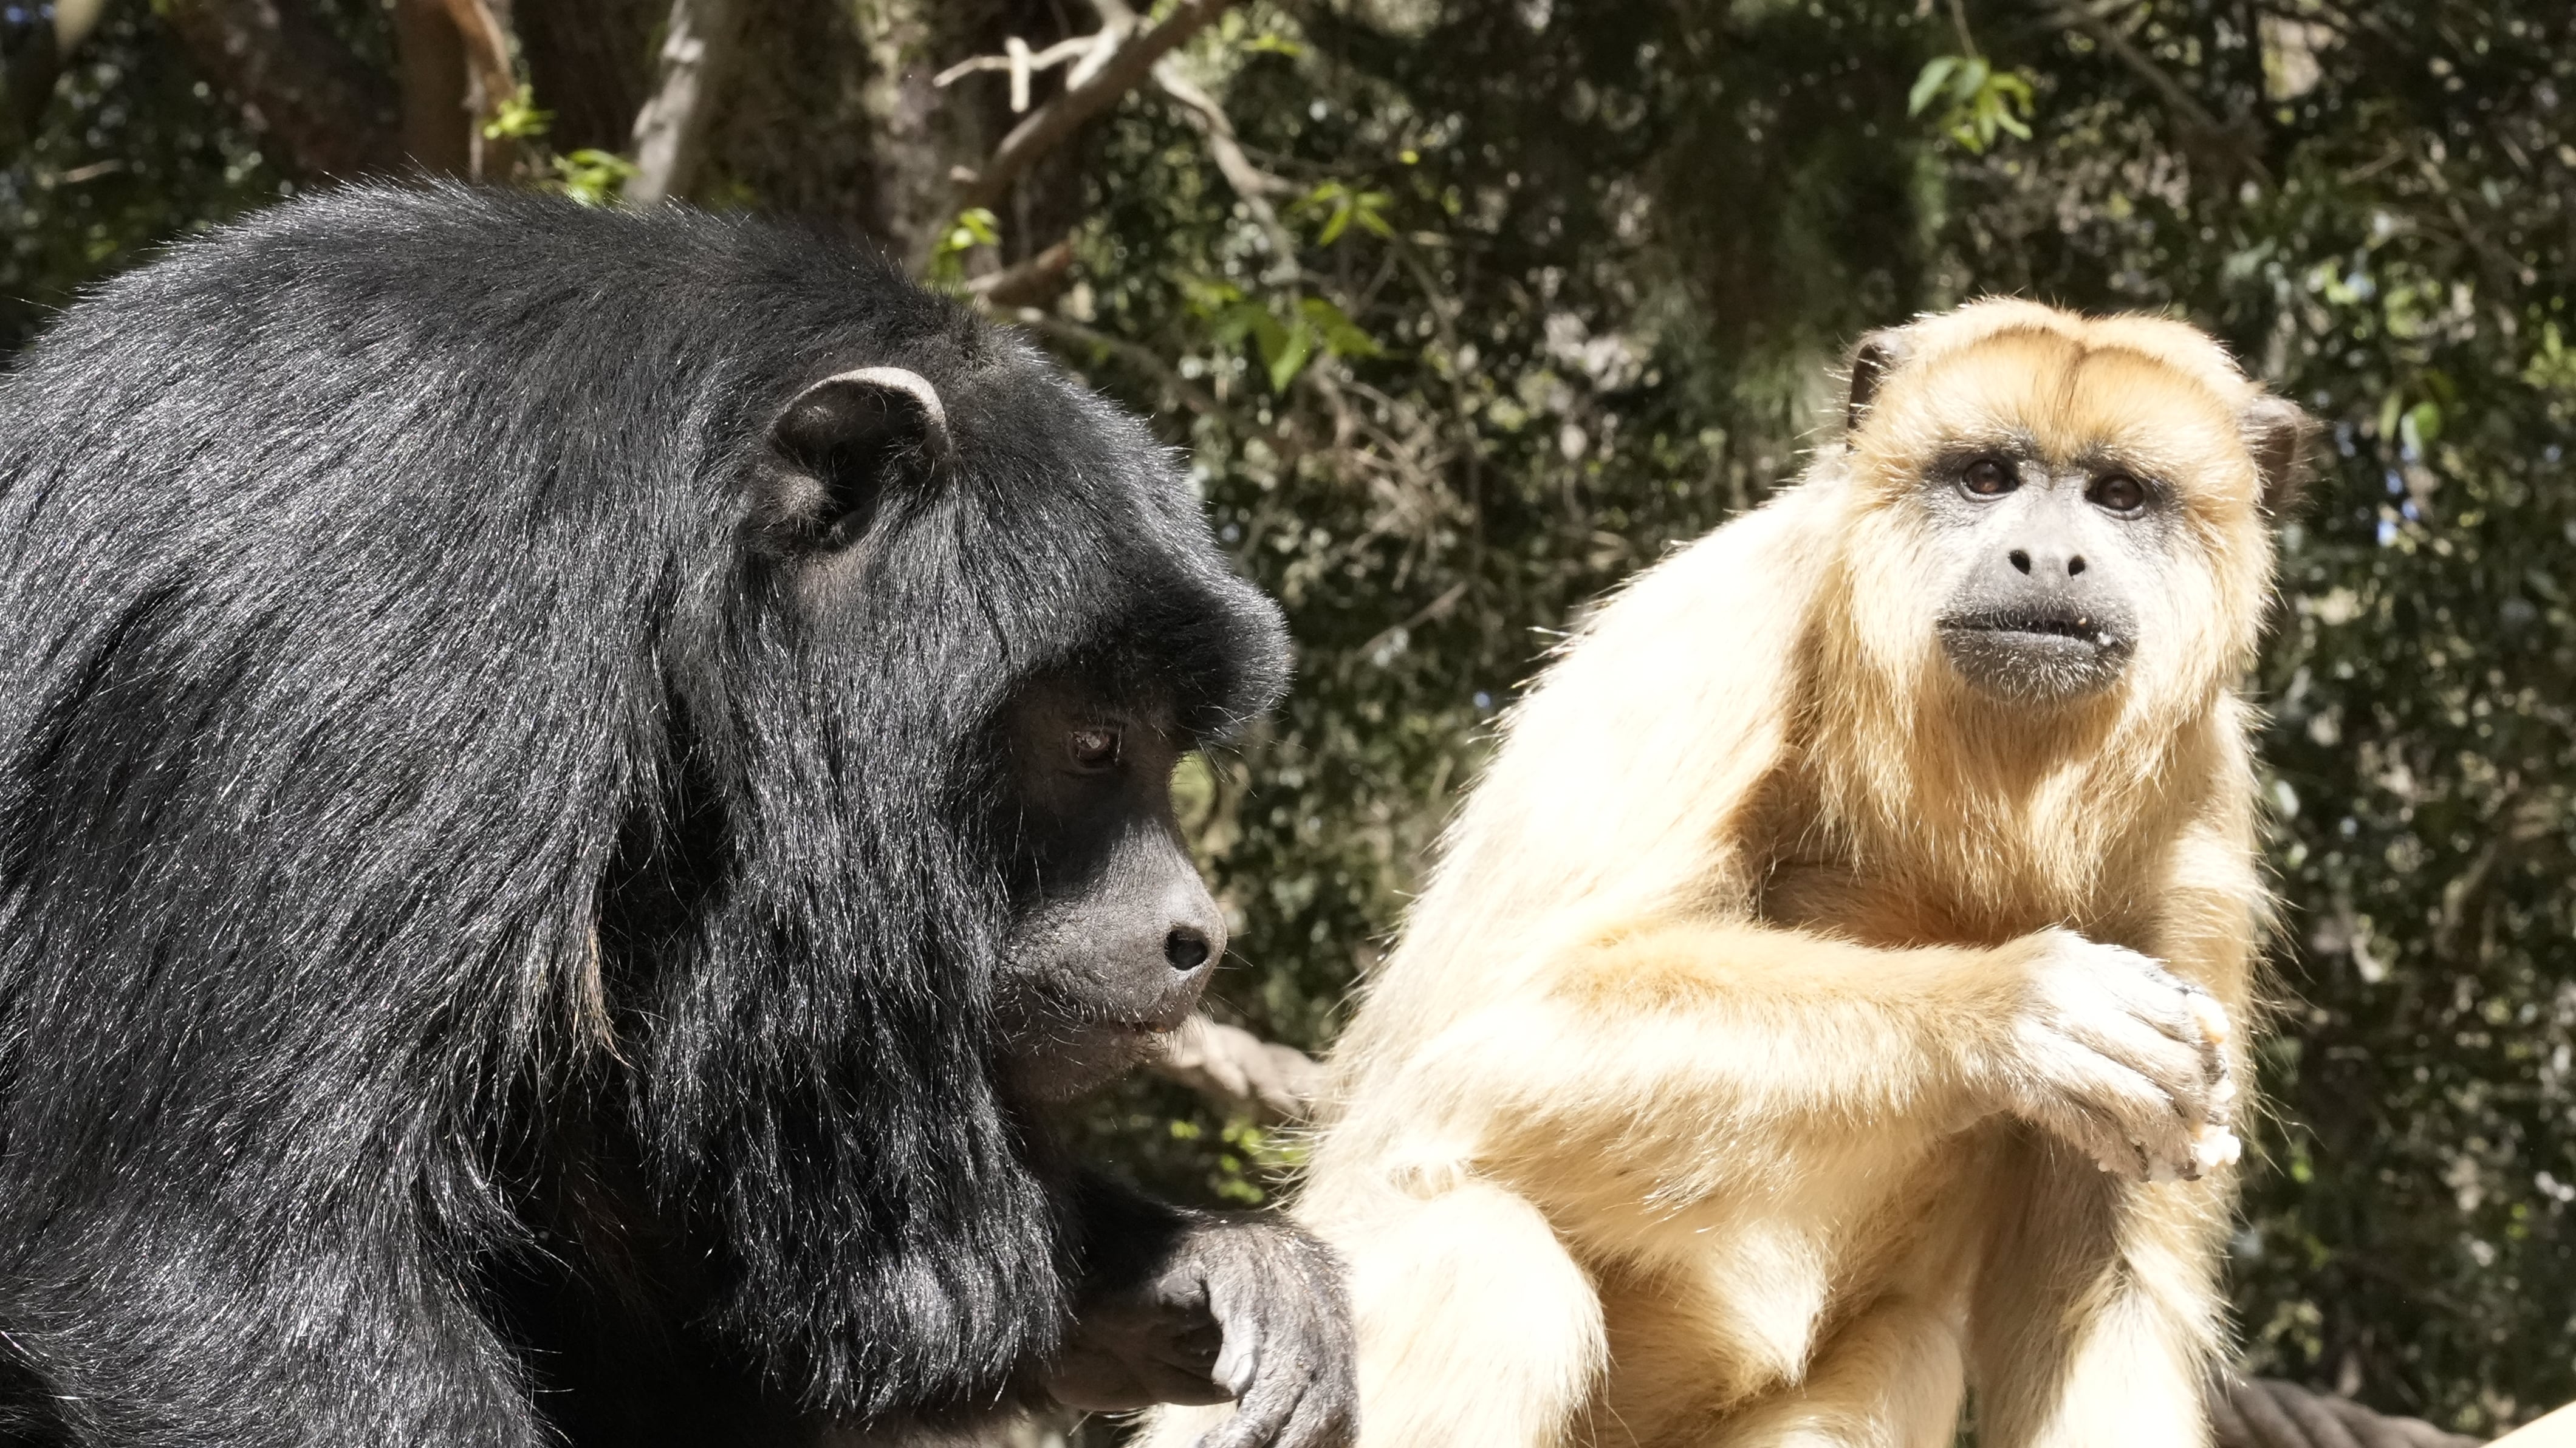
(2278, 432)
(1872, 358)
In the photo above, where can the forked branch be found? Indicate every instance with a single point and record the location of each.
(1112, 62)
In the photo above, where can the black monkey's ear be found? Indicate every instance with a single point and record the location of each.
(1872, 358)
(838, 445)
(2277, 432)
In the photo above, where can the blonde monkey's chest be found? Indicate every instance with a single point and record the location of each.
(1833, 898)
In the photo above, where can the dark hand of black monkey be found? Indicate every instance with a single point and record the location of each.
(1201, 1307)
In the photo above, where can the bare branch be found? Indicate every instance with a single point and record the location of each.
(1029, 282)
(1073, 333)
(2233, 141)
(1239, 1071)
(496, 82)
(671, 129)
(332, 114)
(1249, 181)
(429, 55)
(1020, 61)
(1092, 89)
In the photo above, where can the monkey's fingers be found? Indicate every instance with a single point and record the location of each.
(2214, 1146)
(2127, 1122)
(2211, 1016)
(2176, 1070)
(1262, 1415)
(2153, 1086)
(1324, 1418)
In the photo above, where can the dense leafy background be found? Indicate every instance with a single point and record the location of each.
(1546, 287)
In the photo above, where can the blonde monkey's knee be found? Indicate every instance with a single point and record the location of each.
(1476, 1328)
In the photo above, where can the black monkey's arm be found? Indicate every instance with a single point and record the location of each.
(1181, 1306)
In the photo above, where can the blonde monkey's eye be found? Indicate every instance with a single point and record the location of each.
(2117, 493)
(1988, 478)
(1093, 748)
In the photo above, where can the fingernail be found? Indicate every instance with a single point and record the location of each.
(1236, 1362)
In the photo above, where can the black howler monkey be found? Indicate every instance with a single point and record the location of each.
(569, 781)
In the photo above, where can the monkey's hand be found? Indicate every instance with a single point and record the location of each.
(2124, 1059)
(1228, 1307)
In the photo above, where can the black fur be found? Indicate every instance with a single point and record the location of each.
(482, 898)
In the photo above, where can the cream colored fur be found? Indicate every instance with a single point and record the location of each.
(1727, 1086)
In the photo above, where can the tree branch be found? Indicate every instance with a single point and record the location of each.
(2234, 141)
(671, 129)
(429, 55)
(496, 82)
(1066, 330)
(1105, 74)
(1250, 182)
(331, 113)
(1240, 1072)
(1032, 281)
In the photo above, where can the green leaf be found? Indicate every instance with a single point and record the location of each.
(1929, 85)
(592, 177)
(1288, 355)
(2421, 427)
(1336, 223)
(1341, 336)
(1207, 296)
(518, 117)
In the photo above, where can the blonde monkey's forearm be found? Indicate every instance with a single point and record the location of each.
(1686, 1042)
(1696, 1046)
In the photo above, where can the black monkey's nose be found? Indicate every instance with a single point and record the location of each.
(1185, 948)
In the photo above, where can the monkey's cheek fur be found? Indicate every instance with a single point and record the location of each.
(2033, 665)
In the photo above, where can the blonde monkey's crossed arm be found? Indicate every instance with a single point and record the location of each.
(1741, 1048)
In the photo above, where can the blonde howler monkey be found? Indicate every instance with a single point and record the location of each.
(1835, 997)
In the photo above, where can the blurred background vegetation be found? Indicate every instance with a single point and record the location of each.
(1465, 309)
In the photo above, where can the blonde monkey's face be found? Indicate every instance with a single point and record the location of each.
(2087, 513)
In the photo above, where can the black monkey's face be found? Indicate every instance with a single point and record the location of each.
(877, 481)
(1114, 935)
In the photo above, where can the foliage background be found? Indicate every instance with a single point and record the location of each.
(1508, 296)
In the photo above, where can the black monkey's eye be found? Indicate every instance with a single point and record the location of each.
(2117, 493)
(1988, 478)
(1093, 748)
